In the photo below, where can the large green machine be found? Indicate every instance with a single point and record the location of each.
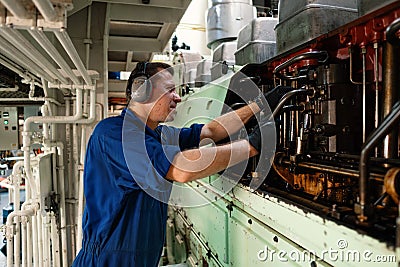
(331, 197)
(257, 228)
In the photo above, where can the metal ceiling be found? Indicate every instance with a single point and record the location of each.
(137, 30)
(47, 40)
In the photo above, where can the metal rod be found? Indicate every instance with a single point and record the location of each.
(66, 42)
(41, 38)
(376, 70)
(16, 8)
(376, 67)
(364, 95)
(46, 9)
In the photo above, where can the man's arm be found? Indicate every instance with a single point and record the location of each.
(229, 123)
(194, 164)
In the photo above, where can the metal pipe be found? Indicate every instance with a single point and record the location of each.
(376, 71)
(35, 249)
(45, 98)
(87, 41)
(17, 243)
(15, 69)
(75, 164)
(391, 82)
(14, 54)
(46, 9)
(10, 231)
(24, 241)
(16, 180)
(289, 95)
(29, 249)
(63, 216)
(321, 56)
(66, 42)
(351, 67)
(55, 242)
(16, 8)
(41, 38)
(39, 233)
(27, 135)
(19, 41)
(386, 126)
(46, 241)
(80, 184)
(332, 169)
(364, 95)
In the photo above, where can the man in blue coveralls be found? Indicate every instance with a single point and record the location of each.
(131, 162)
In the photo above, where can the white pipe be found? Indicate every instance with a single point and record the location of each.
(35, 251)
(39, 233)
(15, 99)
(69, 47)
(10, 231)
(46, 9)
(88, 27)
(16, 8)
(27, 135)
(15, 69)
(63, 216)
(75, 157)
(80, 183)
(55, 242)
(41, 38)
(46, 240)
(92, 109)
(77, 118)
(45, 126)
(26, 139)
(14, 54)
(29, 248)
(24, 241)
(82, 157)
(49, 99)
(46, 99)
(17, 244)
(20, 42)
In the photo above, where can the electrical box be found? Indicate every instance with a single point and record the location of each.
(29, 111)
(8, 128)
(42, 173)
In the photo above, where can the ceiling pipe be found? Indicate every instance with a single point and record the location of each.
(46, 8)
(15, 69)
(19, 41)
(66, 42)
(15, 55)
(16, 8)
(41, 38)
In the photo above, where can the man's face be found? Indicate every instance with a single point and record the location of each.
(164, 98)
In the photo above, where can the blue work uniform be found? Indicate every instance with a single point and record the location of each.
(126, 192)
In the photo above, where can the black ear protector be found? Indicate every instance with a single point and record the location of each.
(141, 85)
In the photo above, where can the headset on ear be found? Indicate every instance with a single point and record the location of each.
(141, 85)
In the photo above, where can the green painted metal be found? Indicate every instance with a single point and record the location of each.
(204, 104)
(245, 228)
